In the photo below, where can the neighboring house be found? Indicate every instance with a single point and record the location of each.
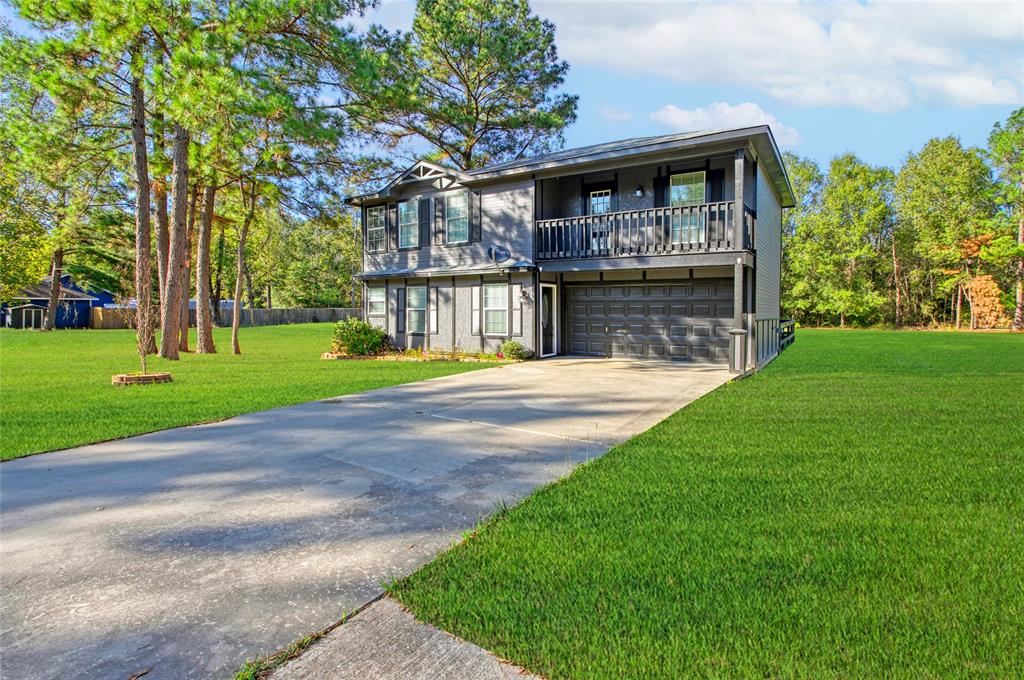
(649, 248)
(28, 308)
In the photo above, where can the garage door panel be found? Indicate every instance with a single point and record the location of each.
(670, 320)
(700, 352)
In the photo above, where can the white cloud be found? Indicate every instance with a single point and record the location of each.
(723, 115)
(878, 56)
(967, 89)
(615, 115)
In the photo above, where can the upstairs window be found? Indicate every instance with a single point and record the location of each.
(496, 309)
(409, 224)
(375, 236)
(456, 217)
(600, 202)
(687, 190)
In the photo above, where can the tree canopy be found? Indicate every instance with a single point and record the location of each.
(475, 79)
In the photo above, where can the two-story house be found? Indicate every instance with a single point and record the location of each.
(662, 247)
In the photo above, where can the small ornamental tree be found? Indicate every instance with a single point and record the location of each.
(987, 309)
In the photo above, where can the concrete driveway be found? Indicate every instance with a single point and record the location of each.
(189, 550)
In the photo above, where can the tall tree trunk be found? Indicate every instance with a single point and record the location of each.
(960, 303)
(162, 235)
(248, 288)
(186, 272)
(1018, 312)
(160, 195)
(218, 288)
(171, 312)
(56, 270)
(143, 267)
(896, 282)
(270, 300)
(204, 320)
(236, 311)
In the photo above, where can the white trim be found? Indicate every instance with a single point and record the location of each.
(554, 316)
(412, 204)
(373, 210)
(504, 309)
(447, 218)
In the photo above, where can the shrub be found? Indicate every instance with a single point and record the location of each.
(510, 349)
(359, 338)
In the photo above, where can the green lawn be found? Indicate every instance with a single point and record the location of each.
(855, 510)
(55, 389)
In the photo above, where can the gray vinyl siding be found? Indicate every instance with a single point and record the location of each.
(507, 219)
(454, 307)
(768, 243)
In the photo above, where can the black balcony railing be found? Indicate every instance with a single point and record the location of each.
(674, 230)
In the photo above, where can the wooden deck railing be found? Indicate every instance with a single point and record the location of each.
(673, 230)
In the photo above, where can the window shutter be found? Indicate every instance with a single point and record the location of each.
(400, 321)
(716, 184)
(391, 225)
(425, 214)
(475, 217)
(517, 309)
(661, 191)
(432, 308)
(366, 237)
(439, 220)
(475, 291)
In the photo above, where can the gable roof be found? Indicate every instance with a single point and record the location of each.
(421, 171)
(41, 291)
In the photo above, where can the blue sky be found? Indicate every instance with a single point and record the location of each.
(875, 78)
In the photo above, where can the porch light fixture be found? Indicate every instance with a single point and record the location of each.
(640, 191)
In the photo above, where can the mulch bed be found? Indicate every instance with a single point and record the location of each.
(335, 356)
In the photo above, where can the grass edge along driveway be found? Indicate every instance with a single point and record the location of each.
(55, 389)
(855, 510)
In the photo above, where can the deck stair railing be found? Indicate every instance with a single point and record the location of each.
(787, 333)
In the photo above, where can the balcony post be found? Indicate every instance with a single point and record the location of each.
(739, 214)
(738, 334)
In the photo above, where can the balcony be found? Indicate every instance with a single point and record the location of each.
(676, 230)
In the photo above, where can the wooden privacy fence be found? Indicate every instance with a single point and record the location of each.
(278, 317)
(109, 317)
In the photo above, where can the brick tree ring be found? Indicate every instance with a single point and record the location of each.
(140, 379)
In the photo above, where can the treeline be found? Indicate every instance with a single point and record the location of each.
(190, 148)
(937, 242)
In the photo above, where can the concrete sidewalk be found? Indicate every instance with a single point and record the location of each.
(190, 550)
(386, 641)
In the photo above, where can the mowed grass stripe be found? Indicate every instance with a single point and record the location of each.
(855, 510)
(55, 389)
